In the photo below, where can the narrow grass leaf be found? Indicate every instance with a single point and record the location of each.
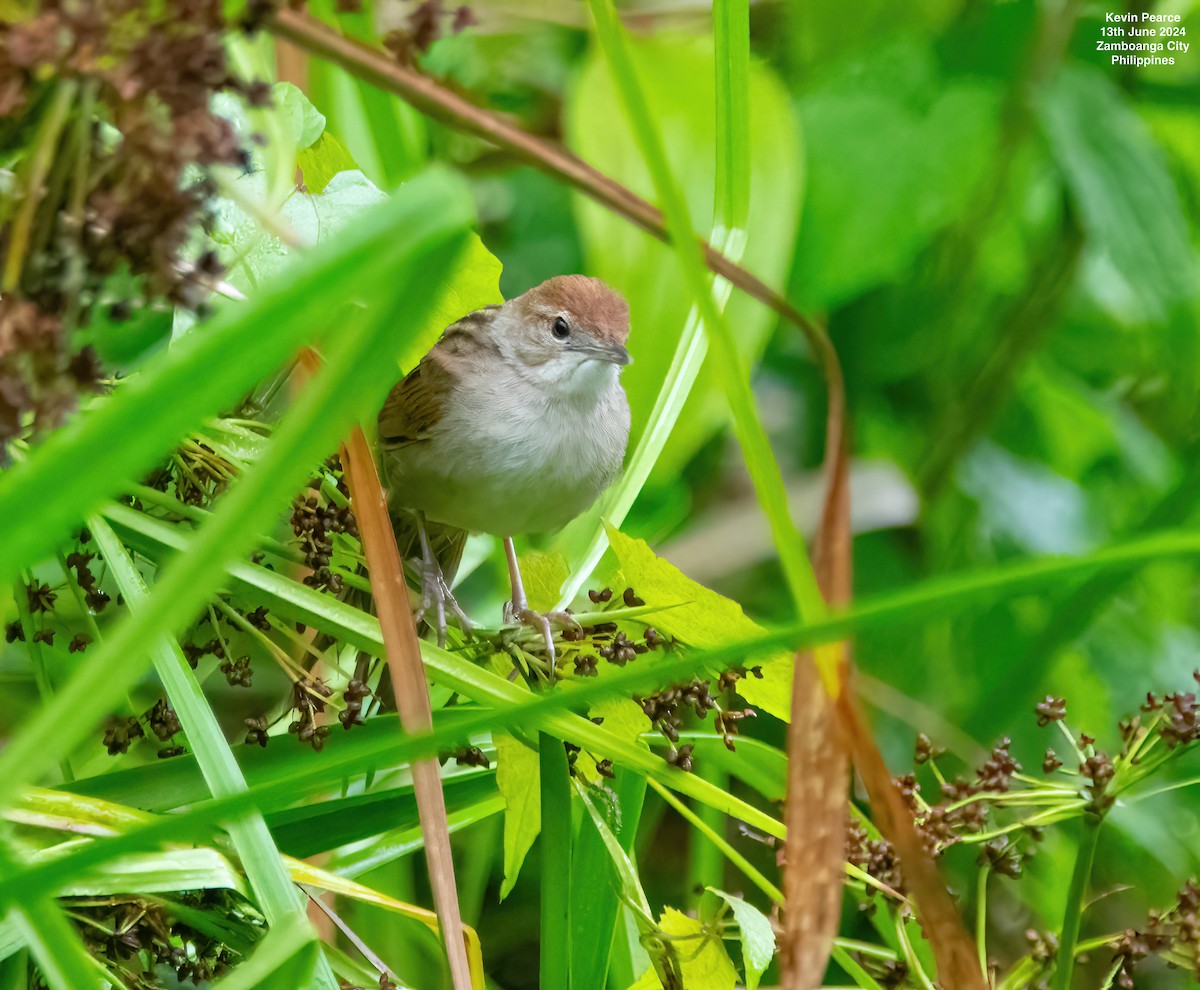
(273, 890)
(554, 958)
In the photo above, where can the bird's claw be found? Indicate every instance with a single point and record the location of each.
(541, 622)
(436, 594)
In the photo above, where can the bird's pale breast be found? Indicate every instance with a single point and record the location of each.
(497, 463)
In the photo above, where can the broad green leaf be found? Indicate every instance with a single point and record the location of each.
(701, 618)
(543, 574)
(703, 962)
(303, 123)
(758, 937)
(895, 155)
(518, 776)
(677, 76)
(321, 162)
(1119, 182)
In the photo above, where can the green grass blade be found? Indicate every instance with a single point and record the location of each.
(557, 875)
(734, 378)
(285, 957)
(719, 843)
(42, 926)
(731, 35)
(434, 216)
(728, 235)
(594, 904)
(934, 600)
(280, 901)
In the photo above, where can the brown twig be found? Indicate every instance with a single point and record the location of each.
(408, 684)
(407, 671)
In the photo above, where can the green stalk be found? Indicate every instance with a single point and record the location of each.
(555, 777)
(734, 378)
(720, 843)
(41, 673)
(1065, 964)
(731, 208)
(856, 972)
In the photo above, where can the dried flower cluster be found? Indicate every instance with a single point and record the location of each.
(1175, 932)
(108, 104)
(975, 810)
(143, 938)
(316, 518)
(428, 21)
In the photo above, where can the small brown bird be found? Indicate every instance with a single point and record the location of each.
(514, 422)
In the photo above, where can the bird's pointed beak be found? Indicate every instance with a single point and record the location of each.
(618, 355)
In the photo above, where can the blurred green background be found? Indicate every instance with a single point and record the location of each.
(1000, 228)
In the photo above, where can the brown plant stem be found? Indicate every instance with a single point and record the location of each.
(408, 684)
(407, 671)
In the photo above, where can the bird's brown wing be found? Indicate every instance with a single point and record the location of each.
(415, 403)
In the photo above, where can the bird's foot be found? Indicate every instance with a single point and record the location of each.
(542, 622)
(437, 596)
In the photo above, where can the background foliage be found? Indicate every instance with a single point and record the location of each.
(999, 229)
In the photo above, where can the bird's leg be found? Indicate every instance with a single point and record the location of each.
(434, 589)
(518, 609)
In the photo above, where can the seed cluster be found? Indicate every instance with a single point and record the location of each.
(427, 22)
(1176, 931)
(668, 709)
(315, 521)
(70, 74)
(309, 701)
(142, 937)
(967, 808)
(195, 472)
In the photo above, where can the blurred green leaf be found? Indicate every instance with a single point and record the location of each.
(322, 161)
(518, 776)
(1127, 202)
(676, 74)
(758, 937)
(895, 154)
(303, 123)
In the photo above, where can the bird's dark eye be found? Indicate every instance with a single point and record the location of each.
(560, 328)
